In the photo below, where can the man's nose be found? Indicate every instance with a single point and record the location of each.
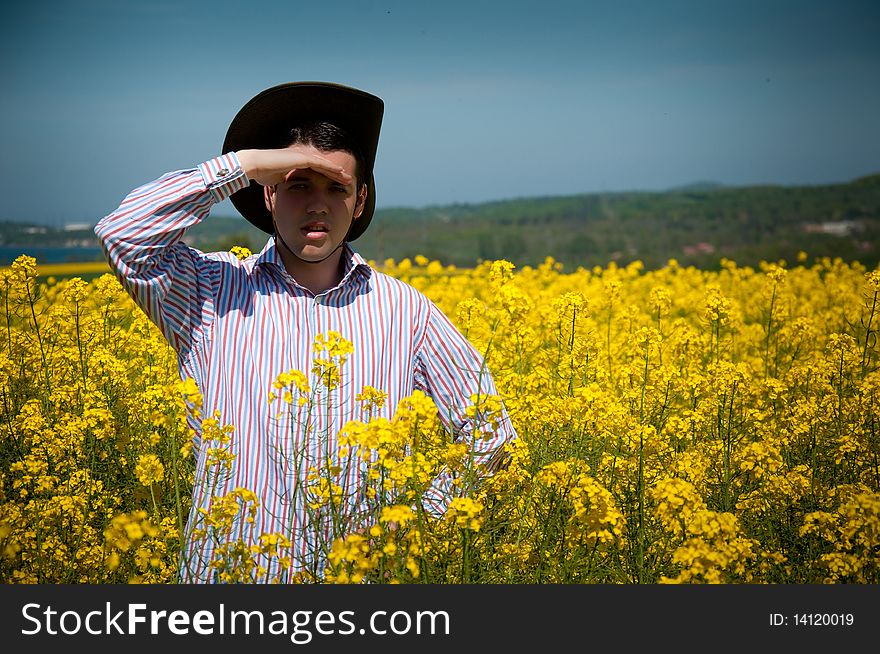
(317, 203)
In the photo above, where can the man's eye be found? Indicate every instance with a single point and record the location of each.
(299, 186)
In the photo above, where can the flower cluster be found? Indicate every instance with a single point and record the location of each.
(675, 426)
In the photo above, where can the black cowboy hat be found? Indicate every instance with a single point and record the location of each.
(263, 121)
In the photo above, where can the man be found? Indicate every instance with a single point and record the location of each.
(298, 163)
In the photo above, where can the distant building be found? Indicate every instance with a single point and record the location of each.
(836, 228)
(700, 248)
(77, 227)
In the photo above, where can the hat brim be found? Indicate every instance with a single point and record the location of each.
(262, 122)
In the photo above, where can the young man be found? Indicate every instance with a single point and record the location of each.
(298, 163)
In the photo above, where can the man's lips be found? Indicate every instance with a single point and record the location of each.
(315, 230)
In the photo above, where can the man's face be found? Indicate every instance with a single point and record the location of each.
(312, 212)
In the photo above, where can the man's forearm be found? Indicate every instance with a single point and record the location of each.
(171, 282)
(156, 215)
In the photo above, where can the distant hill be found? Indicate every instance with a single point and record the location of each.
(697, 186)
(699, 224)
(696, 224)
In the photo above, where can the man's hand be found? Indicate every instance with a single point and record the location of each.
(271, 167)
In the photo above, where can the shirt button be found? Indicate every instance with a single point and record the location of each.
(223, 172)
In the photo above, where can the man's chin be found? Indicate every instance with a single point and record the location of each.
(315, 254)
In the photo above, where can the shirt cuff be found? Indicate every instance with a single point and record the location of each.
(223, 176)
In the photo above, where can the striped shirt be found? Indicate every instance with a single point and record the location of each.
(236, 325)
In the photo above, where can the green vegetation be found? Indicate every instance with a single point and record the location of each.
(697, 225)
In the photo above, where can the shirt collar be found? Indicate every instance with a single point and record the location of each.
(355, 265)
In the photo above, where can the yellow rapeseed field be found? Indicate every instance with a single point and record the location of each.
(675, 426)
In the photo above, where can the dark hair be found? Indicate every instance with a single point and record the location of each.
(326, 136)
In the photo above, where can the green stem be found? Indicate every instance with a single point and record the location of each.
(868, 332)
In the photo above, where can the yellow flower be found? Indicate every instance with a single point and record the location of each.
(371, 398)
(287, 382)
(466, 513)
(149, 469)
(240, 252)
(399, 514)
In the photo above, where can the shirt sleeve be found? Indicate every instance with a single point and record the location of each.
(171, 282)
(454, 374)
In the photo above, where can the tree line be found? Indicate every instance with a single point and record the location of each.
(698, 225)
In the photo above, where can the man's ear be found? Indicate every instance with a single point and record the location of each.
(361, 202)
(269, 197)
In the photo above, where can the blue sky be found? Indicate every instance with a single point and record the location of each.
(483, 101)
